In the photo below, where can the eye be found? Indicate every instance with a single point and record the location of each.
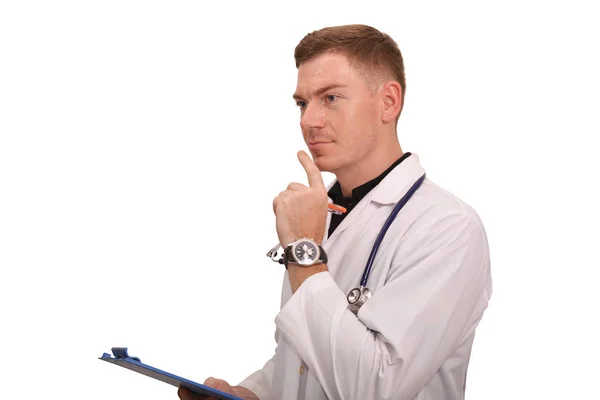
(331, 98)
(301, 104)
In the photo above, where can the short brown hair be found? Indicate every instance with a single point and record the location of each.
(370, 51)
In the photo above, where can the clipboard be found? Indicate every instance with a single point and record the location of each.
(122, 359)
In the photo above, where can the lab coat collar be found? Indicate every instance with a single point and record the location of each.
(389, 191)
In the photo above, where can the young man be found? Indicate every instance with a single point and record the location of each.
(430, 281)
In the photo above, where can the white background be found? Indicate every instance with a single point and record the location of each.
(142, 143)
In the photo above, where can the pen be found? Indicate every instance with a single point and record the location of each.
(335, 209)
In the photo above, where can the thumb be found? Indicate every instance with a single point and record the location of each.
(212, 382)
(218, 384)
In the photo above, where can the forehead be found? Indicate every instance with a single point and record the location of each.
(325, 70)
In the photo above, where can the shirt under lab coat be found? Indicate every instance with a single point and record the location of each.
(431, 283)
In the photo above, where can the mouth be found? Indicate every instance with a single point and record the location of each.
(318, 145)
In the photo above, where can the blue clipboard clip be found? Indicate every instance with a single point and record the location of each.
(123, 359)
(120, 353)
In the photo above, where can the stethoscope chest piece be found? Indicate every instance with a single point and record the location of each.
(357, 297)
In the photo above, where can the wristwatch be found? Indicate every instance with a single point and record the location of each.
(304, 252)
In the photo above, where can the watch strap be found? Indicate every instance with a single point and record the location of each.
(287, 256)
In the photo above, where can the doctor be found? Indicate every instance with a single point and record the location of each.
(429, 281)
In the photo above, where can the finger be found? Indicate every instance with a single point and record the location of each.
(223, 386)
(315, 180)
(219, 384)
(296, 187)
(212, 382)
(185, 394)
(276, 202)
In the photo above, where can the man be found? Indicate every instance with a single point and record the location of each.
(430, 278)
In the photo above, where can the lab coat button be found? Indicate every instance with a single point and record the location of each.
(301, 369)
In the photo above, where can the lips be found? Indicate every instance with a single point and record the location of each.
(318, 144)
(322, 140)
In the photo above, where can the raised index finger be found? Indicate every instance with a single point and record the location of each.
(315, 180)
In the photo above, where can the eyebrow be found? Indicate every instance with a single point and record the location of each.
(322, 90)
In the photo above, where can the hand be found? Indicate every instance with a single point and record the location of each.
(221, 385)
(301, 211)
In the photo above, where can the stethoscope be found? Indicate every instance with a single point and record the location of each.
(358, 296)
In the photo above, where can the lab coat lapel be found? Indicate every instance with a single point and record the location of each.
(357, 214)
(389, 191)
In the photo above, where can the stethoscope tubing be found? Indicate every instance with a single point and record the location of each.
(386, 225)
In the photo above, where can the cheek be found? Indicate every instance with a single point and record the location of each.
(358, 127)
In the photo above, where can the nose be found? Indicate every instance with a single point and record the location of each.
(313, 116)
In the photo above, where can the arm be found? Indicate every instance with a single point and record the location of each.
(259, 382)
(219, 384)
(255, 387)
(407, 329)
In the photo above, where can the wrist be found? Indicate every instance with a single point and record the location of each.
(304, 252)
(291, 240)
(298, 274)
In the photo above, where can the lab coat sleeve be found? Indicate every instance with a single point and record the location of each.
(259, 382)
(403, 334)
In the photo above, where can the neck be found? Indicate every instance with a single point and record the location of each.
(368, 168)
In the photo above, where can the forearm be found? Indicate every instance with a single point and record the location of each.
(336, 349)
(352, 361)
(394, 347)
(298, 274)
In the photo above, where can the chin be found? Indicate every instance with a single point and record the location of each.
(324, 163)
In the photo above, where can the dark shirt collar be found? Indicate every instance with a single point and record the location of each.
(335, 193)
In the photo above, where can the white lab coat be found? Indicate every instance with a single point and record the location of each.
(431, 283)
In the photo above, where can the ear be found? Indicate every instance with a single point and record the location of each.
(392, 101)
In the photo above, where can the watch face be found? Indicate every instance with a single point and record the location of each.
(305, 252)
